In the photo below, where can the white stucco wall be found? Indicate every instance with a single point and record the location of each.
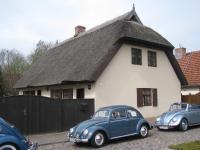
(119, 82)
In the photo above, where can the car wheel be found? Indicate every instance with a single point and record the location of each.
(78, 144)
(144, 131)
(183, 126)
(8, 147)
(98, 139)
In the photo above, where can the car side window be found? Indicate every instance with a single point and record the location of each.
(131, 113)
(118, 114)
(194, 107)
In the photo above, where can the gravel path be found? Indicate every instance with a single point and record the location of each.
(158, 140)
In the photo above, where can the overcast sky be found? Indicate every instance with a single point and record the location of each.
(24, 22)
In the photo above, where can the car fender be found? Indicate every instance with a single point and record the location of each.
(93, 129)
(141, 122)
(179, 118)
(11, 139)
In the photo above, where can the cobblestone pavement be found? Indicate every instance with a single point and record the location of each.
(158, 140)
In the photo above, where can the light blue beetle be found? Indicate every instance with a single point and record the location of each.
(110, 123)
(180, 115)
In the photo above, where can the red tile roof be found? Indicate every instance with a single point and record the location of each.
(190, 65)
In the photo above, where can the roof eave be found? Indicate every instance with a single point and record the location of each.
(62, 83)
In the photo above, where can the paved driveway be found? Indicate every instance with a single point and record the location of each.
(158, 140)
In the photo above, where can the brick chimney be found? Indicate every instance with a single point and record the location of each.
(180, 52)
(79, 29)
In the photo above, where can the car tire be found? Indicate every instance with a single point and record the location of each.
(8, 147)
(98, 139)
(159, 129)
(183, 126)
(77, 144)
(144, 131)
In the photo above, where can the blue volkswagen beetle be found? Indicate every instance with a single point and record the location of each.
(180, 115)
(110, 123)
(12, 139)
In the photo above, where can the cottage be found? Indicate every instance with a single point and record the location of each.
(190, 65)
(120, 61)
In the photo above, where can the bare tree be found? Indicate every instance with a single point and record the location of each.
(2, 84)
(40, 50)
(13, 64)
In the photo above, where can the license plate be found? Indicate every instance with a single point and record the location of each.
(163, 127)
(72, 140)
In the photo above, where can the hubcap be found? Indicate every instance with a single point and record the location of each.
(143, 131)
(184, 125)
(99, 139)
(8, 147)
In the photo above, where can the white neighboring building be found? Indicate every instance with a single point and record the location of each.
(118, 62)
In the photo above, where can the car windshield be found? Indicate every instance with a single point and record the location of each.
(101, 114)
(177, 106)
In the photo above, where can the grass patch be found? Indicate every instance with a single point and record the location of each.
(195, 145)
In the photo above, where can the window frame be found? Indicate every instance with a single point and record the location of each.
(136, 56)
(78, 95)
(68, 94)
(118, 110)
(29, 93)
(132, 111)
(152, 58)
(143, 96)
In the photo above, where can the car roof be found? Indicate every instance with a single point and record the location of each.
(181, 103)
(116, 106)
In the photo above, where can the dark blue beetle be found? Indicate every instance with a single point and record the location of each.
(110, 123)
(12, 139)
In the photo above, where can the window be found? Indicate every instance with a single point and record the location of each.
(119, 113)
(146, 97)
(68, 94)
(131, 113)
(32, 93)
(152, 60)
(80, 93)
(39, 93)
(56, 93)
(136, 56)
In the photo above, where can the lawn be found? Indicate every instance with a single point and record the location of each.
(195, 145)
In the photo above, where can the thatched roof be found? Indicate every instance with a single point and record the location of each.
(83, 58)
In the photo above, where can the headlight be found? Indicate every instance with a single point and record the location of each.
(158, 119)
(174, 119)
(71, 130)
(85, 133)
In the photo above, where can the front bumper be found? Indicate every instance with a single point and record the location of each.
(33, 147)
(165, 126)
(78, 140)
